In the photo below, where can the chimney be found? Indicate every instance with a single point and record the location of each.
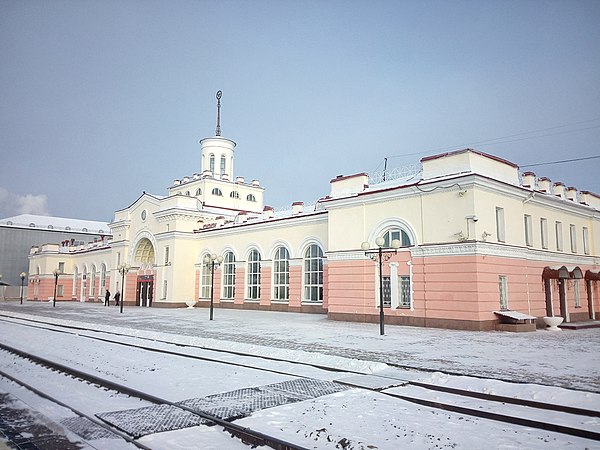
(176, 182)
(297, 207)
(225, 177)
(242, 217)
(239, 180)
(268, 212)
(206, 173)
(544, 184)
(220, 221)
(584, 197)
(572, 193)
(559, 189)
(529, 180)
(255, 183)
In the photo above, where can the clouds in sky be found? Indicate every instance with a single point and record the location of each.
(12, 204)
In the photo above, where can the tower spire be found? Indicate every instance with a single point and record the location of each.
(218, 132)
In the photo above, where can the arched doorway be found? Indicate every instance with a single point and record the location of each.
(144, 256)
(555, 282)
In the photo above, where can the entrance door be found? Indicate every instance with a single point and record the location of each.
(144, 291)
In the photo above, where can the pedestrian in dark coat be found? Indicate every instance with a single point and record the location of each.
(117, 297)
(107, 298)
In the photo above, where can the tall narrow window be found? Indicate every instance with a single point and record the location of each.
(404, 286)
(528, 231)
(222, 164)
(544, 232)
(576, 292)
(313, 274)
(503, 286)
(281, 274)
(500, 231)
(586, 241)
(212, 164)
(60, 290)
(61, 267)
(167, 255)
(93, 282)
(206, 280)
(102, 277)
(253, 271)
(229, 276)
(573, 236)
(164, 296)
(559, 237)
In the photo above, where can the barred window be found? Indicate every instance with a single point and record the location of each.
(253, 273)
(229, 276)
(313, 274)
(281, 274)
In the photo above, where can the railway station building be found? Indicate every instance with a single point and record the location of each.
(466, 241)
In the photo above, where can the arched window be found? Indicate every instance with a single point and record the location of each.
(50, 227)
(198, 191)
(313, 274)
(281, 274)
(93, 281)
(250, 198)
(102, 277)
(396, 233)
(84, 230)
(212, 164)
(187, 193)
(222, 164)
(253, 275)
(217, 191)
(206, 280)
(234, 194)
(229, 276)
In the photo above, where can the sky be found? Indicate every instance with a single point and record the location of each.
(538, 362)
(103, 100)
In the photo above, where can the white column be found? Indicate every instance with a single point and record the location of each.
(410, 273)
(394, 284)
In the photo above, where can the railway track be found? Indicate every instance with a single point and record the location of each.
(499, 408)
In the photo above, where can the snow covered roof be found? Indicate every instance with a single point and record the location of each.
(56, 223)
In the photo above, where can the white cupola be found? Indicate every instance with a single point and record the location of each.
(217, 151)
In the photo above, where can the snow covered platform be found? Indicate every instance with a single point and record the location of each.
(580, 325)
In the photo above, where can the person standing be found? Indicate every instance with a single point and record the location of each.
(107, 298)
(117, 297)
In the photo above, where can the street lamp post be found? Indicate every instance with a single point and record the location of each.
(123, 269)
(56, 273)
(210, 261)
(23, 275)
(379, 256)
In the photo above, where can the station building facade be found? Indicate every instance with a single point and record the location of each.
(476, 237)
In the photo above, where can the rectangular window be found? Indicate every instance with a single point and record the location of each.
(61, 267)
(528, 231)
(164, 296)
(576, 290)
(586, 241)
(544, 232)
(503, 286)
(573, 236)
(404, 285)
(60, 290)
(166, 255)
(559, 238)
(500, 231)
(387, 292)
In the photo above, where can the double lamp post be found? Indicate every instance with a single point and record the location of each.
(379, 255)
(123, 269)
(211, 261)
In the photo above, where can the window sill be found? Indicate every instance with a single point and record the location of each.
(280, 302)
(251, 300)
(309, 302)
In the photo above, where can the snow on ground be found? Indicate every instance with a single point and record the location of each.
(351, 419)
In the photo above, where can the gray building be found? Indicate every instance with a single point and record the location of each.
(18, 234)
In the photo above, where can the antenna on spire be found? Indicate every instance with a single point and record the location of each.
(219, 95)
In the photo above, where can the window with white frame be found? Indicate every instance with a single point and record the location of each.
(229, 276)
(75, 279)
(573, 236)
(396, 233)
(102, 277)
(528, 231)
(586, 241)
(164, 293)
(93, 282)
(167, 255)
(559, 236)
(313, 274)
(253, 276)
(205, 279)
(503, 286)
(212, 164)
(281, 274)
(198, 191)
(500, 227)
(222, 164)
(544, 231)
(60, 290)
(61, 267)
